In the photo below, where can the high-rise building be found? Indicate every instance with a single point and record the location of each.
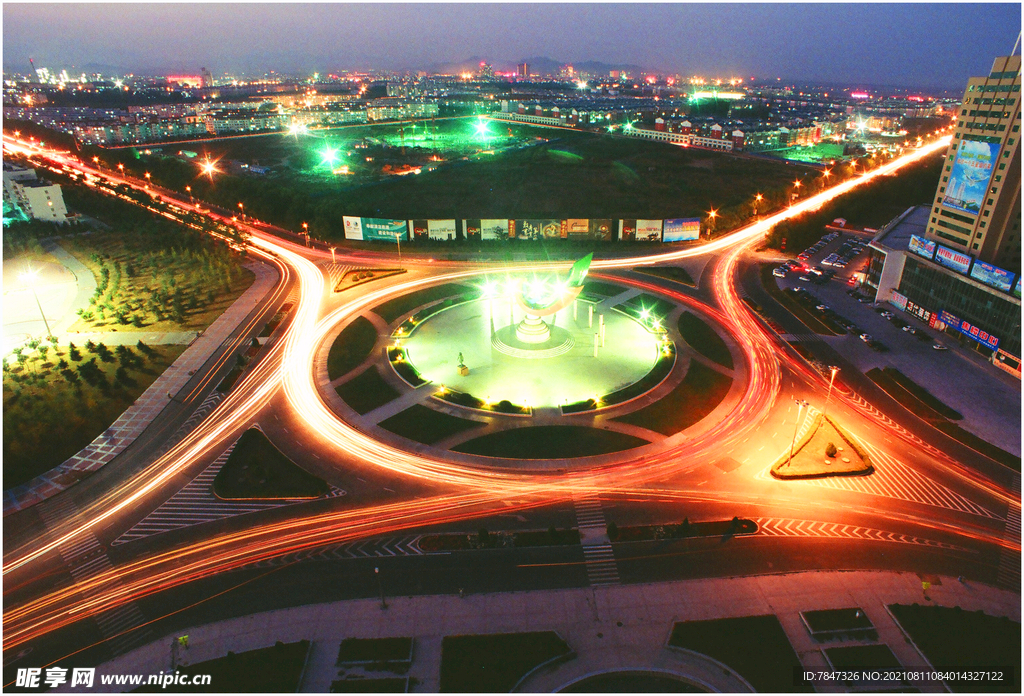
(523, 70)
(977, 204)
(35, 197)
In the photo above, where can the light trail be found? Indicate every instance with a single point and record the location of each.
(484, 487)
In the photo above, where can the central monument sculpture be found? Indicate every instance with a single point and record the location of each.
(538, 301)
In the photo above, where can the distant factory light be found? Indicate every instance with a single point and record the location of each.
(717, 95)
(859, 95)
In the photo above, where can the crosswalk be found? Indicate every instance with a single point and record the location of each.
(204, 409)
(196, 503)
(893, 479)
(1008, 574)
(86, 558)
(597, 549)
(783, 527)
(335, 272)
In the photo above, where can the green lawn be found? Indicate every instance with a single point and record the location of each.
(258, 470)
(703, 339)
(954, 638)
(597, 287)
(495, 663)
(695, 397)
(426, 425)
(367, 391)
(51, 413)
(359, 650)
(550, 442)
(393, 309)
(351, 347)
(755, 647)
(675, 273)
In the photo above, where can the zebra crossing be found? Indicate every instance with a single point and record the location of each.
(1008, 574)
(782, 527)
(196, 503)
(597, 549)
(335, 273)
(893, 479)
(86, 559)
(197, 417)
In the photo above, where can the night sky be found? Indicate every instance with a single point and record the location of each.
(936, 46)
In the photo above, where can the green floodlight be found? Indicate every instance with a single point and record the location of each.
(481, 129)
(329, 156)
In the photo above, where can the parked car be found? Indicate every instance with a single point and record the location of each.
(780, 272)
(805, 279)
(910, 329)
(939, 346)
(865, 337)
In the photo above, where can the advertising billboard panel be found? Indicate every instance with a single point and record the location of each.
(681, 230)
(992, 275)
(495, 229)
(898, 300)
(1016, 288)
(385, 230)
(537, 229)
(921, 246)
(353, 227)
(575, 228)
(419, 229)
(970, 330)
(627, 230)
(956, 260)
(648, 230)
(918, 311)
(441, 230)
(601, 229)
(968, 182)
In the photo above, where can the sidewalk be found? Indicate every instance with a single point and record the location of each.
(147, 407)
(614, 628)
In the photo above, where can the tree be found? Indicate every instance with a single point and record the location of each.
(74, 353)
(831, 450)
(44, 350)
(483, 537)
(613, 531)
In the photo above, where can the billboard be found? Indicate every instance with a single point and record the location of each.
(969, 330)
(495, 229)
(957, 260)
(921, 246)
(536, 229)
(968, 182)
(627, 230)
(441, 230)
(1016, 288)
(419, 229)
(384, 230)
(992, 275)
(918, 311)
(575, 228)
(681, 230)
(648, 230)
(353, 227)
(898, 300)
(601, 229)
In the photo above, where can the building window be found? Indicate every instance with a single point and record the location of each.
(975, 246)
(983, 225)
(1002, 166)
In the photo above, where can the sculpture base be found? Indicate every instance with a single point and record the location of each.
(533, 330)
(506, 341)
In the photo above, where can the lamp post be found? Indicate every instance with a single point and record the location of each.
(398, 239)
(242, 208)
(190, 198)
(28, 277)
(380, 586)
(799, 412)
(832, 379)
(120, 167)
(757, 199)
(332, 255)
(712, 214)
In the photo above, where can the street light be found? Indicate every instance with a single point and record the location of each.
(242, 208)
(332, 255)
(148, 177)
(28, 278)
(799, 412)
(121, 167)
(757, 199)
(380, 586)
(398, 239)
(829, 396)
(190, 198)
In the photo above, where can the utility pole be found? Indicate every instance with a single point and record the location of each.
(380, 586)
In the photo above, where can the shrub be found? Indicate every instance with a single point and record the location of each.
(613, 531)
(831, 450)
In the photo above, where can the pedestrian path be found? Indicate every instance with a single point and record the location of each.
(86, 558)
(196, 503)
(597, 549)
(130, 424)
(1009, 561)
(782, 527)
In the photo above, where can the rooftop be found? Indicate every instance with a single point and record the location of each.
(896, 235)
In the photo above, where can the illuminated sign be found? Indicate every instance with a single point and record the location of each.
(353, 227)
(1016, 289)
(443, 230)
(536, 229)
(968, 182)
(375, 229)
(859, 95)
(992, 275)
(921, 246)
(419, 229)
(486, 229)
(681, 230)
(648, 230)
(958, 261)
(898, 300)
(627, 230)
(970, 330)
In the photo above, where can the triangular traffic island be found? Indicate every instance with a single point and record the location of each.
(825, 450)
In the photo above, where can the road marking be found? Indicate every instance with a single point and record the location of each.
(780, 527)
(196, 503)
(597, 549)
(1008, 574)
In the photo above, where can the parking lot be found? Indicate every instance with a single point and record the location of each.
(957, 376)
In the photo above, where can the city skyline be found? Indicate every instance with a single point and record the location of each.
(865, 44)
